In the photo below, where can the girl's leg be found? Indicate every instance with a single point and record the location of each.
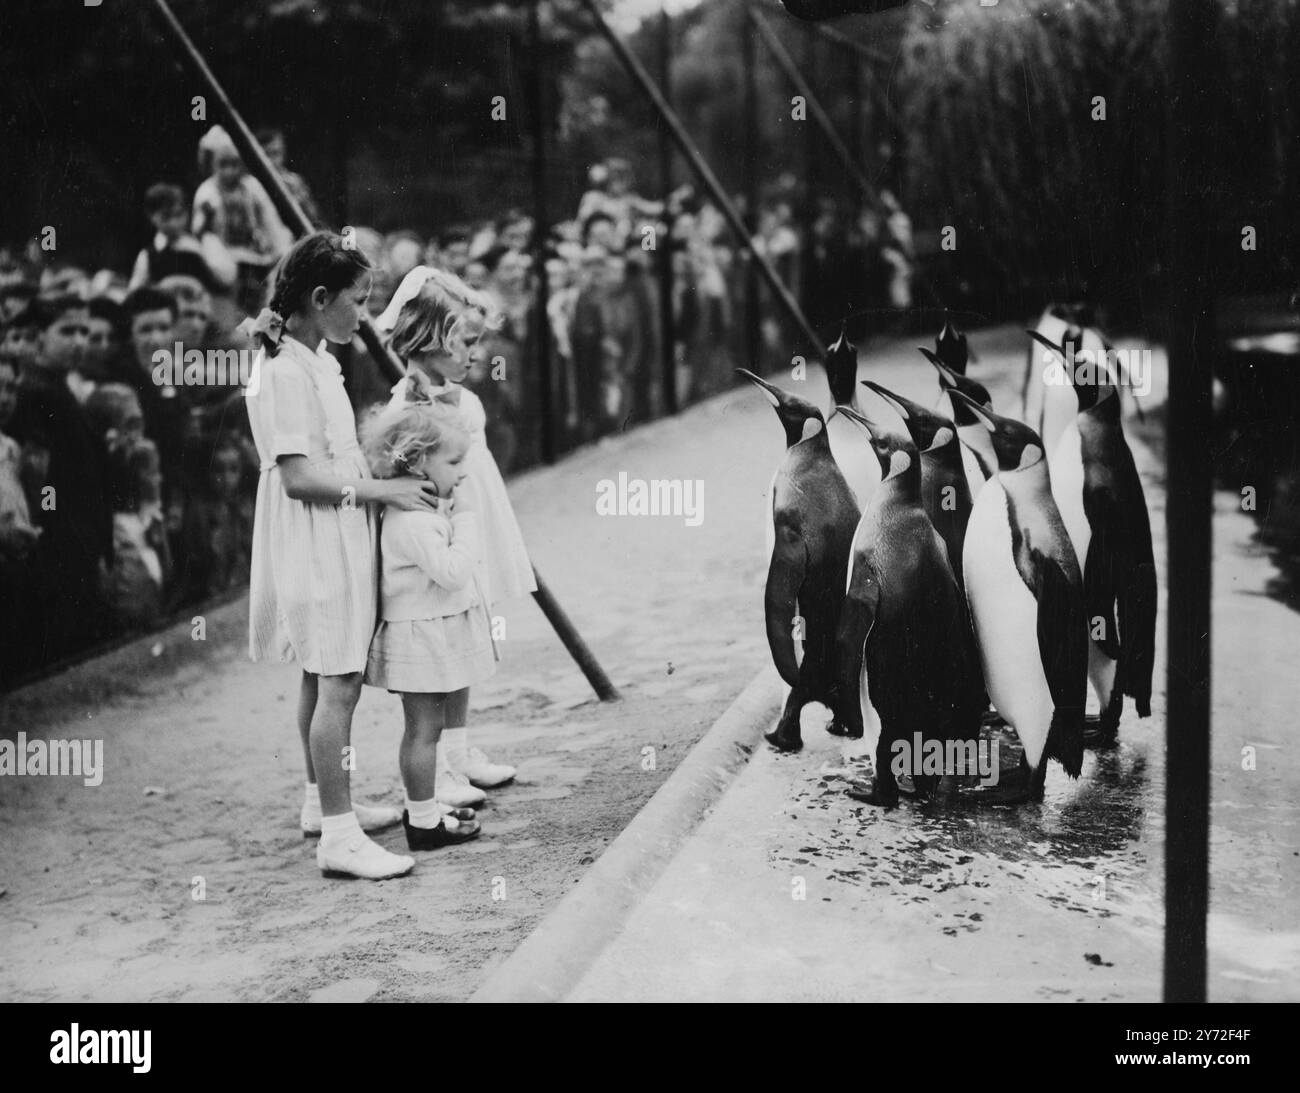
(417, 757)
(306, 708)
(455, 752)
(331, 729)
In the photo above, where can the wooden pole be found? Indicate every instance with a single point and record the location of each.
(1190, 504)
(705, 174)
(815, 109)
(667, 323)
(749, 62)
(264, 170)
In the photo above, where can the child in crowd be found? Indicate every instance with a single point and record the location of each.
(103, 348)
(435, 637)
(174, 249)
(22, 338)
(312, 594)
(273, 144)
(235, 206)
(139, 578)
(218, 528)
(436, 321)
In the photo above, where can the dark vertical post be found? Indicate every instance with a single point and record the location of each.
(1188, 518)
(811, 279)
(749, 62)
(667, 326)
(541, 226)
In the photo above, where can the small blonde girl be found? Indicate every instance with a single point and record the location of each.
(434, 638)
(436, 322)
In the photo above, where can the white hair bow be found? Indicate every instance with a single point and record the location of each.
(407, 291)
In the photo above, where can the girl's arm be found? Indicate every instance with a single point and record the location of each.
(449, 564)
(302, 482)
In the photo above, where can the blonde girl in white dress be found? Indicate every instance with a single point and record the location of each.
(313, 589)
(436, 321)
(435, 637)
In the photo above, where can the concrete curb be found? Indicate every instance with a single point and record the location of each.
(555, 956)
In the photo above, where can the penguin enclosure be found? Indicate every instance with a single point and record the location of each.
(900, 399)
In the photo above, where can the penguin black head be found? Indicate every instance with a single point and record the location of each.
(799, 417)
(1015, 444)
(842, 368)
(951, 347)
(1085, 370)
(950, 380)
(927, 429)
(895, 451)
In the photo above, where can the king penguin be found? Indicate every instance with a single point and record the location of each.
(945, 492)
(1051, 406)
(951, 347)
(1098, 490)
(1026, 599)
(852, 450)
(903, 617)
(814, 514)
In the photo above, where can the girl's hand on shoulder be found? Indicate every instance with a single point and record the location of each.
(413, 494)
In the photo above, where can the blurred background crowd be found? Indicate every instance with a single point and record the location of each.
(126, 490)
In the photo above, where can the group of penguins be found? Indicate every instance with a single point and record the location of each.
(958, 567)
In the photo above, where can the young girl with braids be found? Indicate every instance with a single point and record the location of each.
(313, 594)
(436, 321)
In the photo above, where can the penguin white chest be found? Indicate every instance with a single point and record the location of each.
(1066, 471)
(855, 458)
(1005, 614)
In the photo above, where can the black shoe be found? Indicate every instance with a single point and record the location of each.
(435, 838)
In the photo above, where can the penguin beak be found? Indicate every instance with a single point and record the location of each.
(870, 426)
(889, 397)
(1047, 343)
(976, 409)
(946, 376)
(773, 394)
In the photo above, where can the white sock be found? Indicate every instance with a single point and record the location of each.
(311, 803)
(456, 742)
(337, 829)
(424, 814)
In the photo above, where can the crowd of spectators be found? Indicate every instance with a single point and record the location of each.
(126, 494)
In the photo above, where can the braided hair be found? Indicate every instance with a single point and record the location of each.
(319, 260)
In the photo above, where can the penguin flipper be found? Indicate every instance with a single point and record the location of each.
(1101, 586)
(1063, 647)
(1137, 622)
(785, 577)
(857, 617)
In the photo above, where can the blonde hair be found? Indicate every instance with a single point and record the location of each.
(394, 438)
(436, 318)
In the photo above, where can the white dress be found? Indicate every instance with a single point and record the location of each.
(507, 573)
(313, 592)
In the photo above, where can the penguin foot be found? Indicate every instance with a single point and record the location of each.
(1099, 735)
(784, 740)
(870, 793)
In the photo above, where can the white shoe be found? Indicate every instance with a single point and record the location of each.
(453, 789)
(484, 773)
(361, 857)
(370, 817)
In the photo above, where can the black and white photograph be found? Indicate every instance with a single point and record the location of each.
(625, 501)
